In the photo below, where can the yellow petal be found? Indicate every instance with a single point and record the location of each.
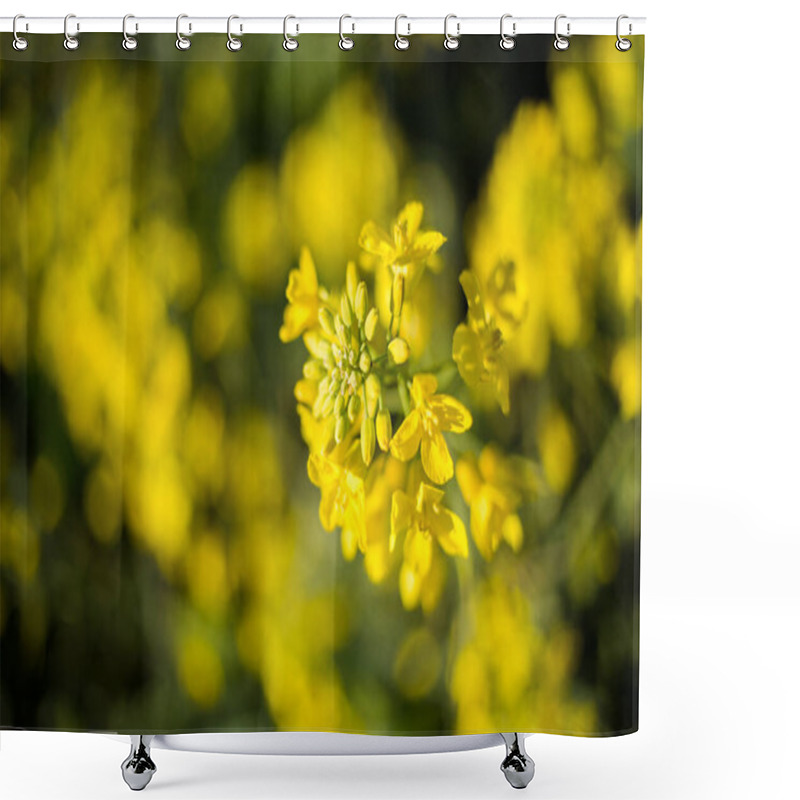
(417, 551)
(467, 354)
(422, 387)
(402, 510)
(512, 532)
(296, 319)
(409, 219)
(376, 241)
(469, 283)
(406, 441)
(453, 415)
(436, 460)
(501, 386)
(308, 271)
(425, 245)
(480, 522)
(468, 477)
(454, 542)
(410, 585)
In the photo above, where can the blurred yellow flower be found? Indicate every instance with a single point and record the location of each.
(557, 447)
(326, 159)
(626, 376)
(494, 487)
(301, 314)
(423, 518)
(423, 428)
(478, 345)
(200, 670)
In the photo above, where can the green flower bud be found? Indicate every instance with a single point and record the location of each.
(383, 427)
(338, 405)
(327, 405)
(353, 407)
(398, 292)
(398, 350)
(326, 321)
(347, 316)
(371, 323)
(341, 331)
(340, 429)
(365, 362)
(361, 301)
(367, 440)
(351, 280)
(373, 392)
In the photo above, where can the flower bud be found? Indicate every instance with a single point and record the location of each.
(338, 405)
(365, 362)
(373, 392)
(341, 331)
(383, 427)
(360, 304)
(367, 440)
(371, 323)
(340, 429)
(326, 321)
(398, 292)
(351, 280)
(347, 316)
(353, 407)
(398, 350)
(327, 405)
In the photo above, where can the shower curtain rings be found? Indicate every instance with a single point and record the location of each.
(182, 43)
(560, 42)
(128, 42)
(70, 42)
(20, 43)
(290, 44)
(345, 42)
(623, 45)
(400, 42)
(451, 42)
(507, 42)
(234, 43)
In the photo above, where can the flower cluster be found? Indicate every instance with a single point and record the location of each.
(362, 392)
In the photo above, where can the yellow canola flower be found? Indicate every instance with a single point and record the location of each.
(340, 478)
(406, 247)
(423, 428)
(494, 487)
(423, 518)
(478, 345)
(302, 292)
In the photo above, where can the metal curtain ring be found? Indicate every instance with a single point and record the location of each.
(70, 42)
(128, 42)
(181, 42)
(623, 45)
(451, 42)
(234, 43)
(19, 43)
(400, 42)
(560, 42)
(507, 42)
(345, 42)
(289, 42)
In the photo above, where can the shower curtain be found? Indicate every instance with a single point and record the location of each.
(321, 380)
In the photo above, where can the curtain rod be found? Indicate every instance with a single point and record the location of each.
(406, 26)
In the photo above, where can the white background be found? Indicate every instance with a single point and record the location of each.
(720, 604)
